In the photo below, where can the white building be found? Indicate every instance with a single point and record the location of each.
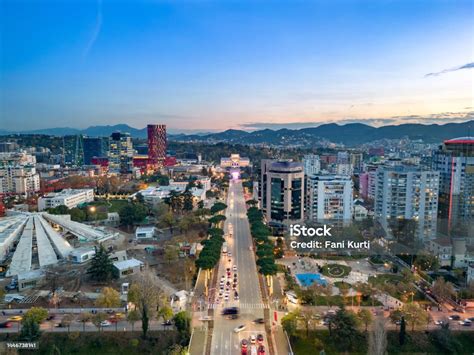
(344, 169)
(404, 192)
(470, 273)
(69, 197)
(312, 164)
(128, 267)
(329, 197)
(235, 161)
(81, 255)
(147, 232)
(18, 179)
(359, 212)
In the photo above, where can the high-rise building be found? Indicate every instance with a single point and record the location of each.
(329, 198)
(455, 162)
(262, 188)
(356, 160)
(120, 153)
(8, 147)
(284, 192)
(93, 147)
(156, 144)
(408, 193)
(18, 179)
(312, 164)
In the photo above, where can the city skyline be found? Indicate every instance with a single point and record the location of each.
(213, 66)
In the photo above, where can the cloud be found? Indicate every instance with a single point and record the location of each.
(442, 117)
(465, 66)
(96, 30)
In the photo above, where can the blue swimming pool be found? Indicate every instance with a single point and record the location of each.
(308, 279)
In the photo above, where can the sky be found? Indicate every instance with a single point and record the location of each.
(215, 65)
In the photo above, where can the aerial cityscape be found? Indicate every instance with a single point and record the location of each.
(212, 178)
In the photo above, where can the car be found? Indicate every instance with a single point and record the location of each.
(439, 322)
(51, 317)
(105, 323)
(229, 254)
(230, 310)
(226, 297)
(6, 324)
(15, 319)
(454, 317)
(244, 344)
(259, 321)
(166, 323)
(260, 339)
(466, 324)
(58, 325)
(234, 268)
(471, 319)
(253, 339)
(239, 328)
(233, 316)
(261, 350)
(236, 295)
(11, 287)
(229, 260)
(228, 269)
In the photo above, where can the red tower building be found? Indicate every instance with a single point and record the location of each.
(156, 144)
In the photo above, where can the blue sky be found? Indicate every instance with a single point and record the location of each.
(201, 65)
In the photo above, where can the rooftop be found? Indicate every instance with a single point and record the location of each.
(460, 140)
(127, 264)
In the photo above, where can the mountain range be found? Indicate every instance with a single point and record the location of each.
(349, 134)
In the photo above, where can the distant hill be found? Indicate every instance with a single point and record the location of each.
(349, 134)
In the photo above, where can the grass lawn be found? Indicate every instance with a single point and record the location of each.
(335, 270)
(416, 343)
(381, 280)
(104, 343)
(117, 205)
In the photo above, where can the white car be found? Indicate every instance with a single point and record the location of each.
(234, 268)
(105, 323)
(229, 254)
(253, 339)
(239, 328)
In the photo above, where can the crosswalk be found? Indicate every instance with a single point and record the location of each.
(262, 305)
(29, 299)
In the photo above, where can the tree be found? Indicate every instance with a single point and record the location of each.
(251, 203)
(84, 318)
(188, 203)
(345, 329)
(396, 316)
(102, 268)
(132, 317)
(168, 220)
(171, 253)
(218, 207)
(182, 322)
(402, 334)
(289, 323)
(215, 220)
(378, 338)
(30, 329)
(109, 298)
(166, 313)
(38, 314)
(414, 315)
(365, 317)
(443, 289)
(67, 320)
(132, 213)
(98, 318)
(307, 317)
(145, 295)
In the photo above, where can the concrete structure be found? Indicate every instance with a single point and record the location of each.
(147, 232)
(329, 198)
(120, 153)
(82, 255)
(10, 230)
(29, 279)
(68, 197)
(409, 193)
(344, 169)
(312, 164)
(455, 162)
(46, 254)
(284, 192)
(128, 267)
(356, 160)
(359, 212)
(83, 232)
(470, 273)
(21, 260)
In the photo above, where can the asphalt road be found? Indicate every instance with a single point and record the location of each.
(224, 340)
